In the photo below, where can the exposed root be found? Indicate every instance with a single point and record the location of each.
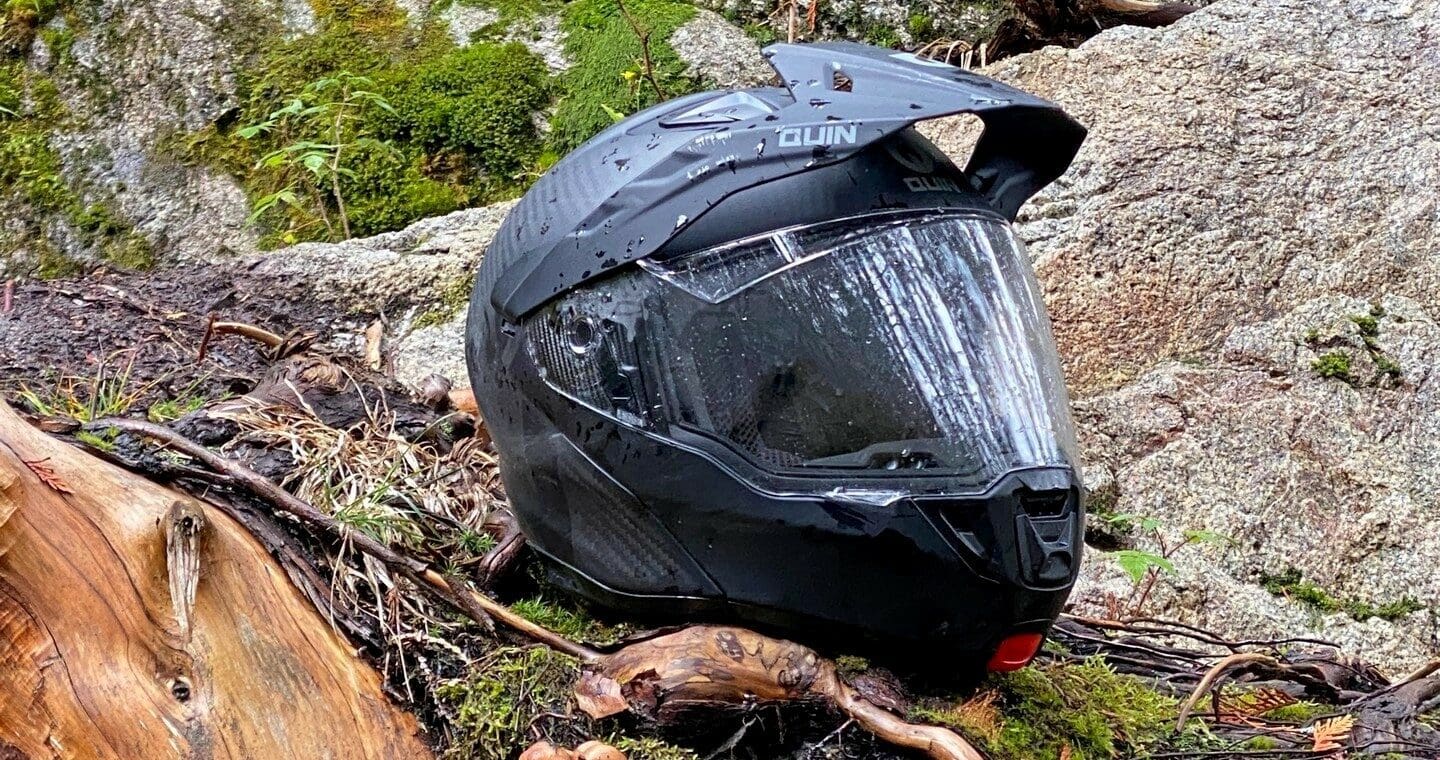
(698, 665)
(1209, 680)
(709, 665)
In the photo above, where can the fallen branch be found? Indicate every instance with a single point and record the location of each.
(1209, 680)
(257, 334)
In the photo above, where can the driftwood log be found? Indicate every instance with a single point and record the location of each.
(137, 622)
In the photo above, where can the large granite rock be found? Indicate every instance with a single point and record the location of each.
(1260, 183)
(1249, 158)
(136, 73)
(417, 278)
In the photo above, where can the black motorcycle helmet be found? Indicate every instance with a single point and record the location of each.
(769, 356)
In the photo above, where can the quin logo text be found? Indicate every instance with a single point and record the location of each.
(829, 134)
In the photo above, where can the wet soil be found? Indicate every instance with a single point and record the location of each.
(148, 327)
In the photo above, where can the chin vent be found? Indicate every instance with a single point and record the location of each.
(1043, 504)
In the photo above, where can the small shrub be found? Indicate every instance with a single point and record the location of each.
(920, 25)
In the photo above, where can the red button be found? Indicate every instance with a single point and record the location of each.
(1015, 652)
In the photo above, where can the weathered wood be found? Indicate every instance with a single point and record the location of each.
(715, 665)
(94, 657)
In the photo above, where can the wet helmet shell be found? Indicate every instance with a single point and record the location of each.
(668, 520)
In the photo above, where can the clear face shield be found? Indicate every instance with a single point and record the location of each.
(913, 342)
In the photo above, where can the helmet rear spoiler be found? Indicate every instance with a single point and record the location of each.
(847, 96)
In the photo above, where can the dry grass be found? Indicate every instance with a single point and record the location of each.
(419, 496)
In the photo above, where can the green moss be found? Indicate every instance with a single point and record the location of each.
(568, 621)
(30, 168)
(31, 177)
(511, 11)
(454, 298)
(882, 36)
(764, 34)
(102, 441)
(1368, 325)
(479, 101)
(1260, 744)
(650, 748)
(608, 74)
(51, 264)
(920, 26)
(1300, 713)
(1386, 365)
(1042, 709)
(1291, 584)
(129, 251)
(19, 21)
(1333, 364)
(456, 126)
(389, 190)
(850, 666)
(495, 707)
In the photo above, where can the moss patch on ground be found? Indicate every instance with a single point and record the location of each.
(493, 709)
(1078, 710)
(569, 621)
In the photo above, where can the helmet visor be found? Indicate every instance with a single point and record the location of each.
(882, 342)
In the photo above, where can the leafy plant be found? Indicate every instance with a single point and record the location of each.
(320, 127)
(1145, 568)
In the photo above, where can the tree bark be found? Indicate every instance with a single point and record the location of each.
(132, 627)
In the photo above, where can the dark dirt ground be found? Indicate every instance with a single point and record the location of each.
(153, 323)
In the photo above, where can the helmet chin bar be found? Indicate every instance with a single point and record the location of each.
(958, 571)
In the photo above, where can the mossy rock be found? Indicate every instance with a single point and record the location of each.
(609, 74)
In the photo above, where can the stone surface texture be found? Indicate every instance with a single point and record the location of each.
(1260, 180)
(718, 51)
(141, 72)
